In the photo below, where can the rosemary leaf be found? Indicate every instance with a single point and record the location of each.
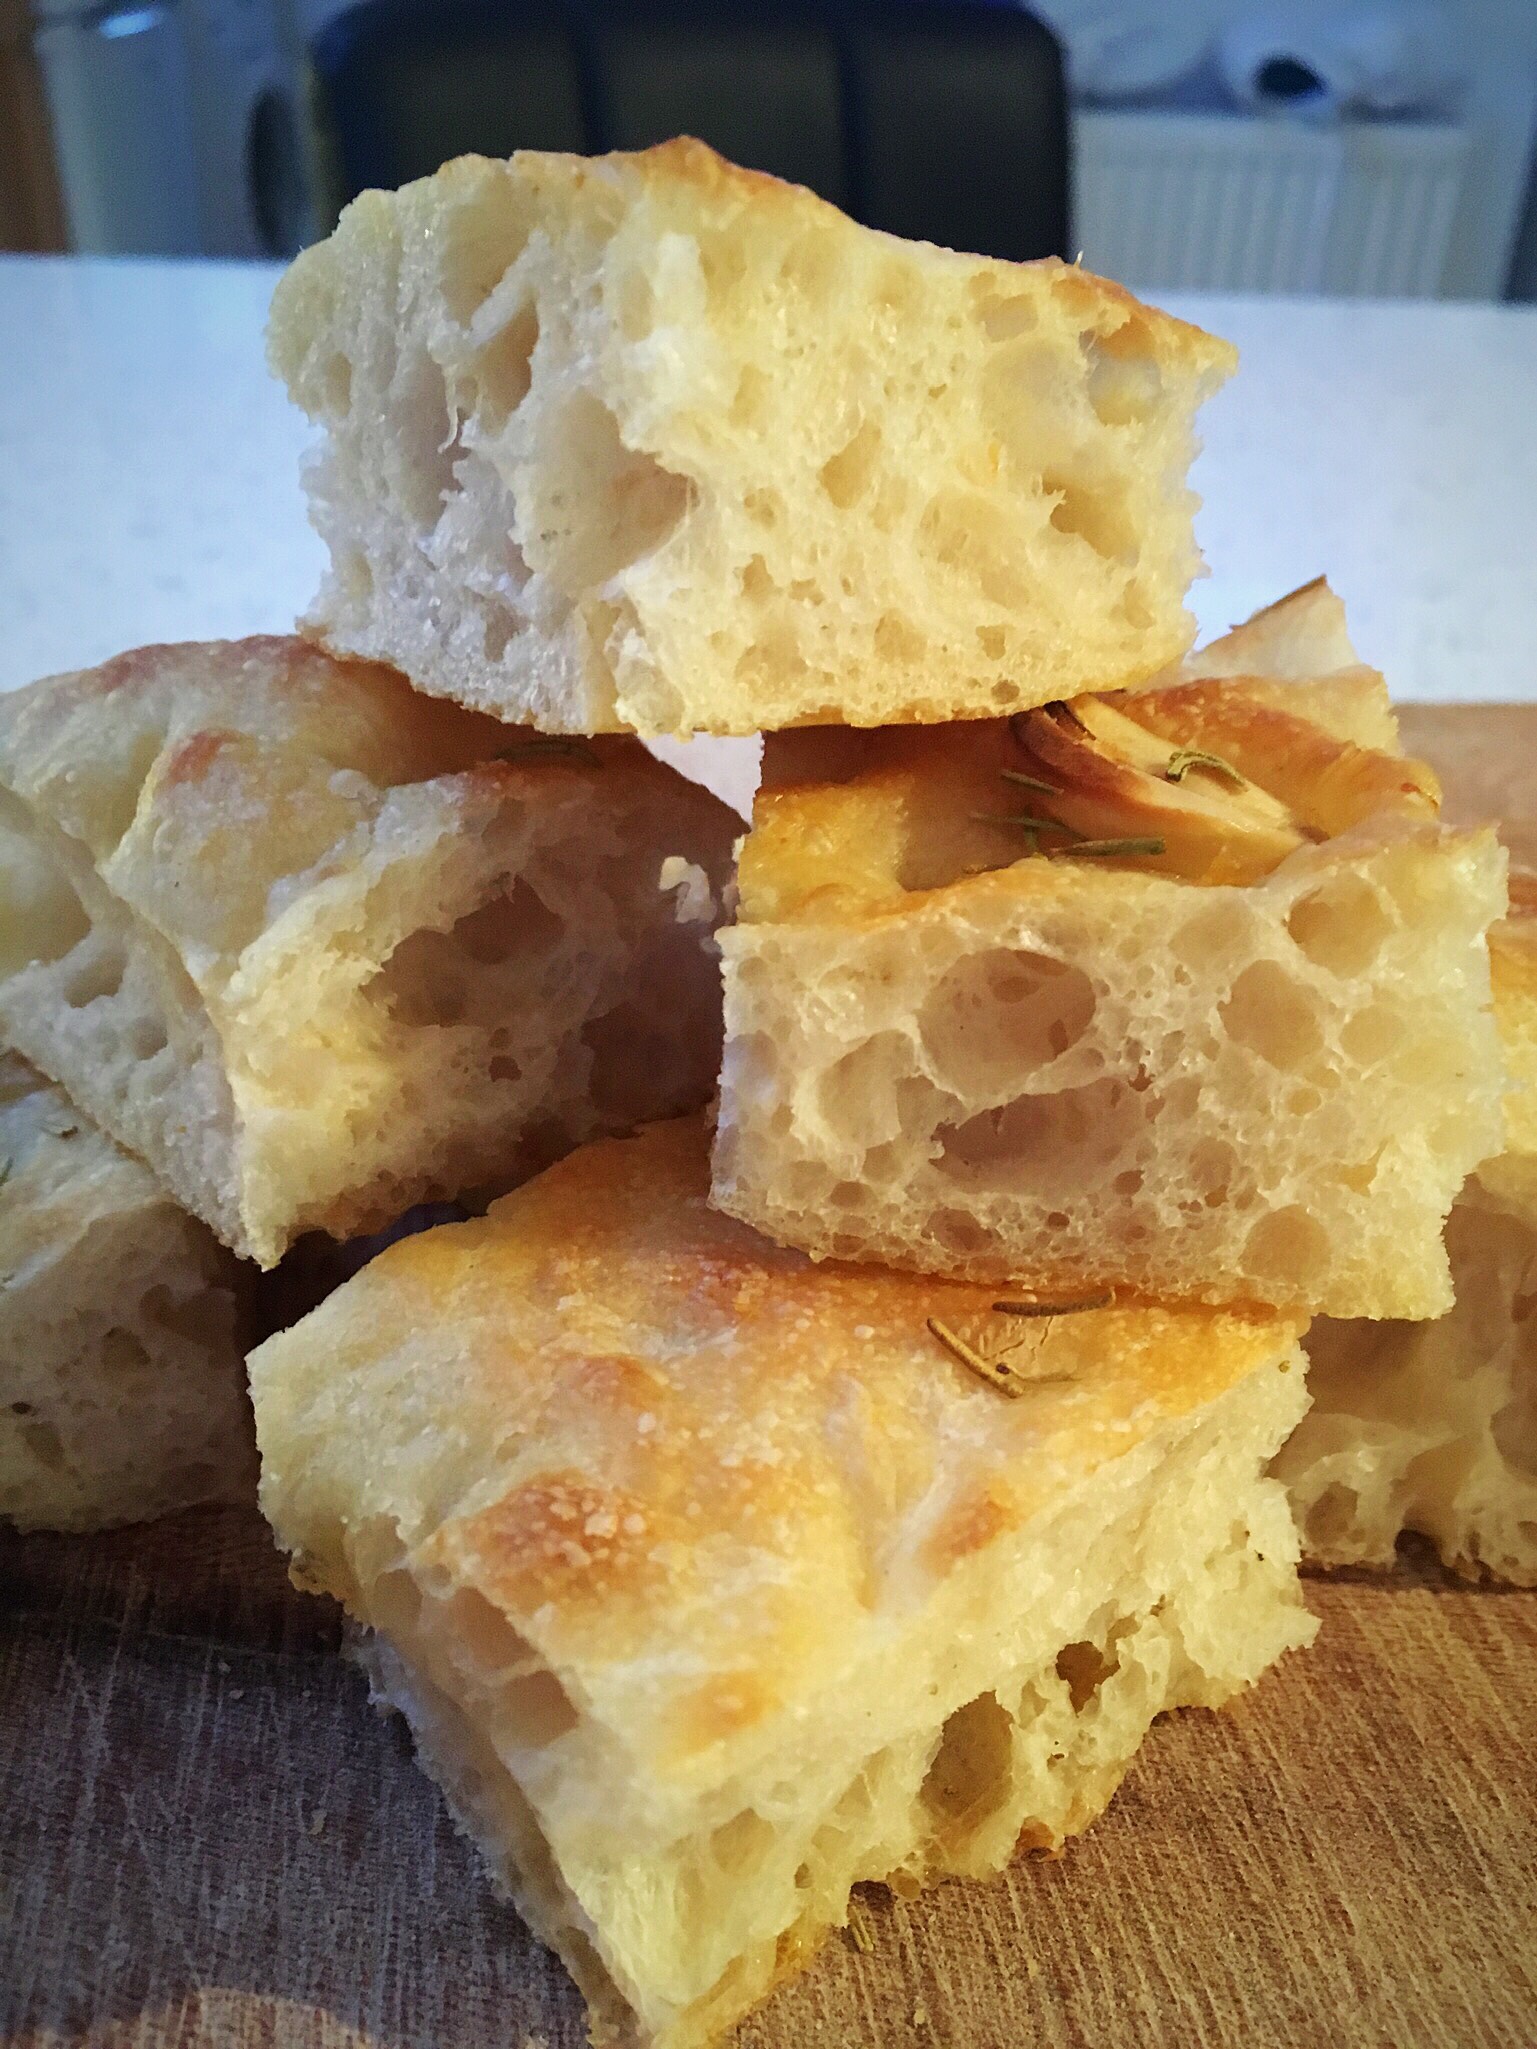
(1112, 847)
(1183, 759)
(1100, 1301)
(1029, 782)
(861, 1932)
(996, 1372)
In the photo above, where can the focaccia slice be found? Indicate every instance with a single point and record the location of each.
(1185, 990)
(650, 442)
(318, 948)
(713, 1582)
(1304, 638)
(1432, 1427)
(122, 1386)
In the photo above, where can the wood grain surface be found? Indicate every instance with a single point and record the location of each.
(208, 1838)
(1486, 757)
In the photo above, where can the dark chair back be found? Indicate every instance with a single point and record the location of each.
(408, 84)
(960, 126)
(762, 84)
(942, 119)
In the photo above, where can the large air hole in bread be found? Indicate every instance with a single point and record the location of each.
(965, 478)
(344, 954)
(1078, 1001)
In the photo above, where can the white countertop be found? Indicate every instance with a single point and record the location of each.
(149, 471)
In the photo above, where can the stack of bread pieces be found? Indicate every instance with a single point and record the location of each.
(833, 1487)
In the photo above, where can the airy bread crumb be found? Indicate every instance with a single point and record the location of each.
(122, 1388)
(650, 442)
(1250, 1054)
(318, 948)
(713, 1587)
(1432, 1427)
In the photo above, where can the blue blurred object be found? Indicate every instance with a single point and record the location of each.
(940, 119)
(130, 183)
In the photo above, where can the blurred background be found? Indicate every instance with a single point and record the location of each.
(1379, 148)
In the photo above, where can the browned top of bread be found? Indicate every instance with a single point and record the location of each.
(1209, 781)
(694, 1470)
(214, 782)
(685, 179)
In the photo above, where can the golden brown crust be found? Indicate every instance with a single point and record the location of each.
(1331, 784)
(693, 1564)
(685, 168)
(319, 947)
(606, 1368)
(851, 825)
(222, 770)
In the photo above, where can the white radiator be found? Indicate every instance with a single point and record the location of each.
(1167, 201)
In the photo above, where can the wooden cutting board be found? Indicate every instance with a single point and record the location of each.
(208, 1841)
(207, 1838)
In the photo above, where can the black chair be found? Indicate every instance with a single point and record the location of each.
(943, 119)
(762, 84)
(959, 126)
(407, 84)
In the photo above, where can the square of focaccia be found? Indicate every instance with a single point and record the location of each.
(1185, 990)
(650, 442)
(122, 1386)
(318, 948)
(1432, 1427)
(712, 1582)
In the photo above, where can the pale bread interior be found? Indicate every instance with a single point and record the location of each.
(1274, 1091)
(318, 950)
(677, 1909)
(1084, 1075)
(651, 442)
(1432, 1427)
(122, 1388)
